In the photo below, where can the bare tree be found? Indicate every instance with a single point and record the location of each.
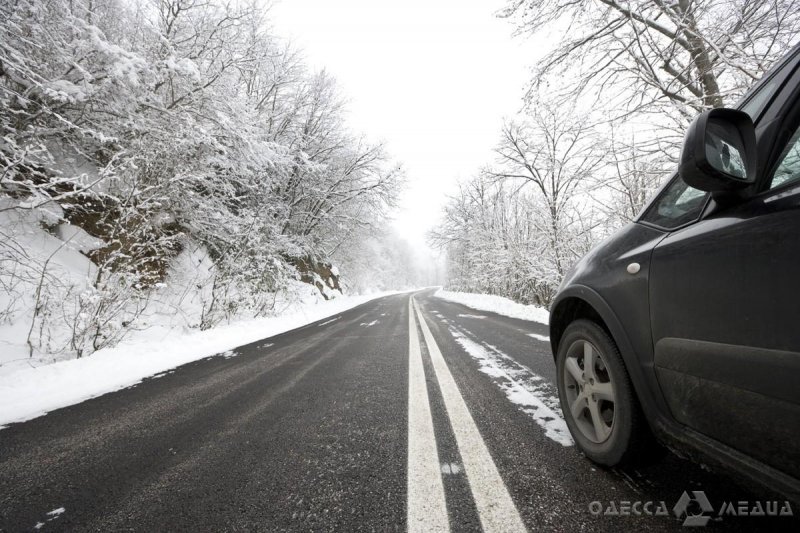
(628, 179)
(517, 227)
(689, 54)
(556, 154)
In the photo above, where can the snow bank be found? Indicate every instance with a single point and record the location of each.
(28, 392)
(496, 304)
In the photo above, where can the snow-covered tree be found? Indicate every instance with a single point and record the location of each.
(161, 128)
(688, 54)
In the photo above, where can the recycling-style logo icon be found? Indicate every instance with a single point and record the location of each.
(685, 508)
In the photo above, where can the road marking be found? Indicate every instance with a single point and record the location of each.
(426, 510)
(495, 507)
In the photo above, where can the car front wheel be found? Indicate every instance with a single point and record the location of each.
(598, 400)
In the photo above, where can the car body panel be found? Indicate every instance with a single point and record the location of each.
(724, 312)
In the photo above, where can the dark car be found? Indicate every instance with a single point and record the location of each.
(685, 325)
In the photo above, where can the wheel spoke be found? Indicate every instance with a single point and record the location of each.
(588, 360)
(578, 405)
(600, 428)
(574, 370)
(603, 391)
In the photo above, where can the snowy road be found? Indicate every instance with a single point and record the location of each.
(314, 430)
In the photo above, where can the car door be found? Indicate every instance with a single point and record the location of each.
(725, 313)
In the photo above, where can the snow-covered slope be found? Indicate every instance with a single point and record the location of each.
(496, 304)
(33, 261)
(46, 294)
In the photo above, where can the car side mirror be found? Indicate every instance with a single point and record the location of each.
(719, 151)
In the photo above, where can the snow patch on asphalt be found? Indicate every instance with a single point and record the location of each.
(368, 324)
(543, 338)
(463, 315)
(55, 513)
(532, 393)
(329, 321)
(451, 468)
(496, 304)
(29, 392)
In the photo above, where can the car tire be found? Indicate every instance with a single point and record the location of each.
(609, 432)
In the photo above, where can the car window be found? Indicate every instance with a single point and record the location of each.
(761, 98)
(678, 204)
(789, 168)
(758, 98)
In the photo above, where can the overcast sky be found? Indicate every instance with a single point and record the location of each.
(432, 78)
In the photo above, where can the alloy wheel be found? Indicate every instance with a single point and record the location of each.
(589, 391)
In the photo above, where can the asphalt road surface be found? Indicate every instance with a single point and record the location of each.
(396, 415)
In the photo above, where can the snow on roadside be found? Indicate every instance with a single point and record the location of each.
(28, 392)
(535, 396)
(496, 304)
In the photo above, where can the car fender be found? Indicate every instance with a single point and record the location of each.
(642, 374)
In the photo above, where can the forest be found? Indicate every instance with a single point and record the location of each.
(175, 158)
